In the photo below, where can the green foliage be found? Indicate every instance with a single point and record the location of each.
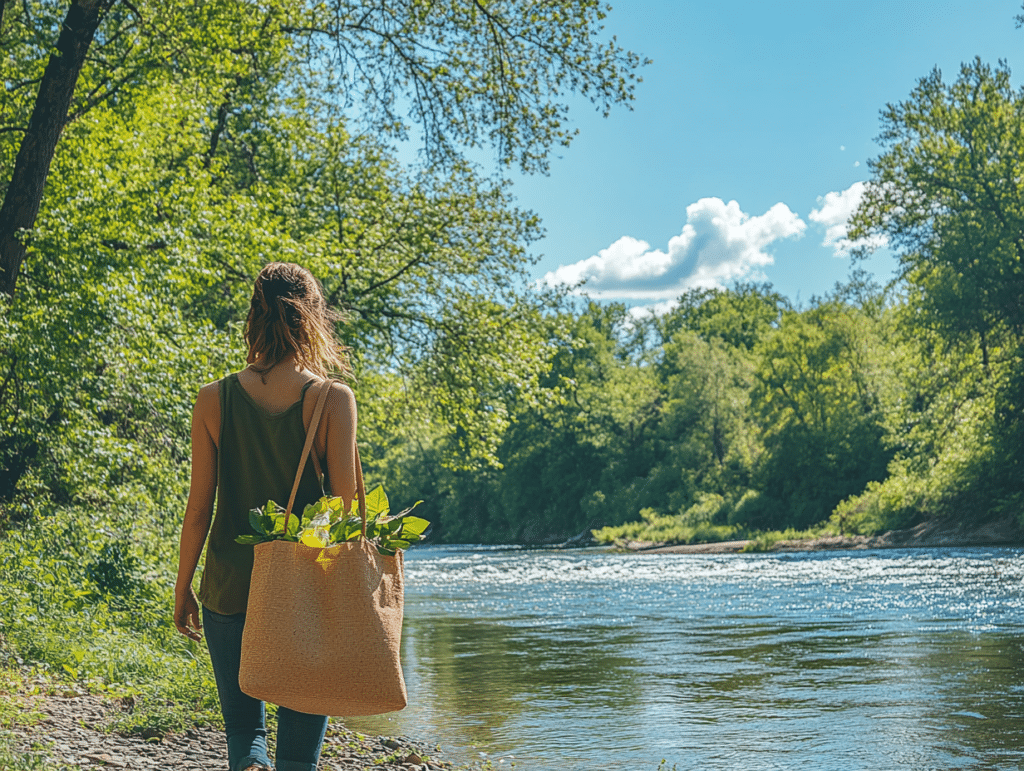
(945, 194)
(12, 759)
(473, 75)
(762, 542)
(326, 523)
(820, 394)
(458, 76)
(740, 317)
(109, 636)
(701, 523)
(207, 140)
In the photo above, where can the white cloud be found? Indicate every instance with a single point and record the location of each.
(638, 312)
(718, 244)
(835, 212)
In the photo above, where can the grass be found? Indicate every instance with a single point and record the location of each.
(88, 605)
(764, 541)
(12, 759)
(689, 527)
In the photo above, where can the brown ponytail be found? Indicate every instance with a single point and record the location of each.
(288, 314)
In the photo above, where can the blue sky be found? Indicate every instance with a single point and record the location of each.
(772, 106)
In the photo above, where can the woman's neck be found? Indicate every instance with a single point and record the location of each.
(287, 365)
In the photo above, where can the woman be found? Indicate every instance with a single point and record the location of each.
(248, 430)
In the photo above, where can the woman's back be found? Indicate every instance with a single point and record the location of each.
(260, 441)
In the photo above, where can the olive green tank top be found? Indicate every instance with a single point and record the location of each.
(257, 457)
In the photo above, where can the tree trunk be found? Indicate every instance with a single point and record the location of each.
(49, 116)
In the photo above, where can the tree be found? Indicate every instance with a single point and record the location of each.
(819, 395)
(739, 317)
(711, 443)
(947, 195)
(131, 42)
(471, 74)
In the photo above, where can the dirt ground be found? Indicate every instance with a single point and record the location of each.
(71, 735)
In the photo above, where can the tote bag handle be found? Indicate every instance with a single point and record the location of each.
(306, 451)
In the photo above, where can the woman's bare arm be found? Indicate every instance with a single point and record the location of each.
(199, 509)
(340, 441)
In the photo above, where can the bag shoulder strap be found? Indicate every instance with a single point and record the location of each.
(310, 436)
(361, 490)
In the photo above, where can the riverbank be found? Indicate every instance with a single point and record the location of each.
(1002, 532)
(69, 730)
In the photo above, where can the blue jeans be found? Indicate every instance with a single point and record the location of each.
(299, 736)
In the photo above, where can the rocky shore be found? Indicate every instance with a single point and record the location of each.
(1003, 532)
(67, 731)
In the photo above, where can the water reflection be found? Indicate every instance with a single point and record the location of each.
(870, 661)
(481, 676)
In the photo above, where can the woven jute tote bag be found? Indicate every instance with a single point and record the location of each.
(323, 626)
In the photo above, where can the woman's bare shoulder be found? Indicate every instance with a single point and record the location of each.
(342, 390)
(208, 394)
(207, 409)
(341, 401)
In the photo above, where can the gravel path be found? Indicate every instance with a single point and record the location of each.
(71, 735)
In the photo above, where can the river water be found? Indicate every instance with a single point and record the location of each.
(565, 660)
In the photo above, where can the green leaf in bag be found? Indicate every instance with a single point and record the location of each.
(251, 539)
(256, 521)
(377, 503)
(414, 526)
(278, 528)
(344, 529)
(388, 534)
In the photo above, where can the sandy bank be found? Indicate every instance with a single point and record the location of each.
(1003, 532)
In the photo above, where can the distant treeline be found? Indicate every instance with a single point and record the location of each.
(737, 413)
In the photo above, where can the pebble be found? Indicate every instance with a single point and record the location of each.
(72, 737)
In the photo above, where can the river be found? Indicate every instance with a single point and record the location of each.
(564, 660)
